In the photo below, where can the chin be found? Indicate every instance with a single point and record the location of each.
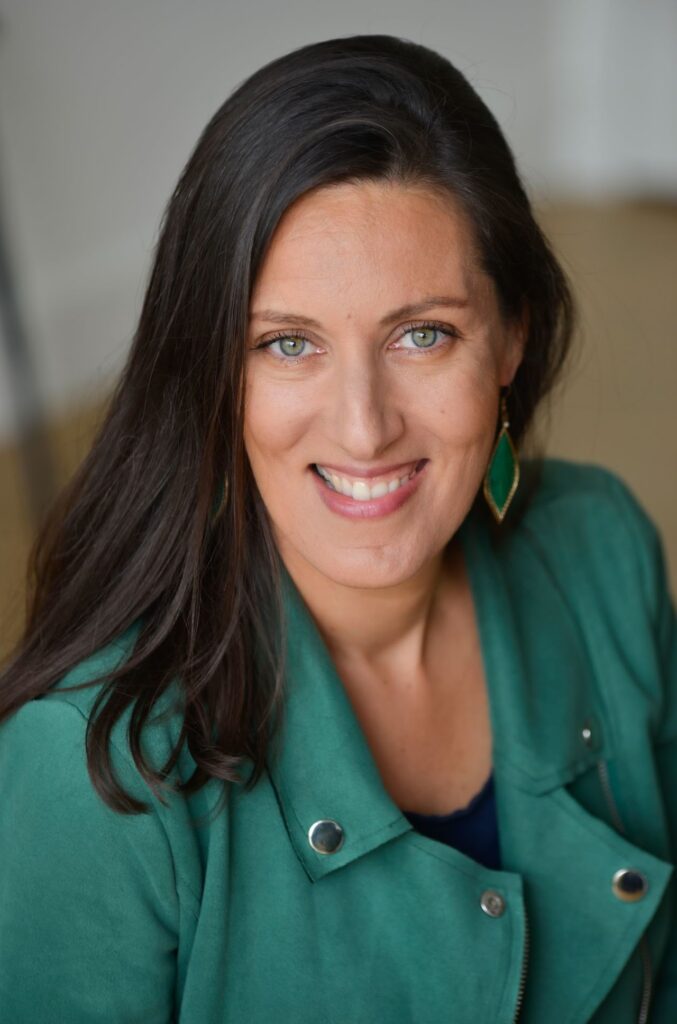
(365, 569)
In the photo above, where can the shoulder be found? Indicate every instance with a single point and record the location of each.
(585, 542)
(48, 799)
(599, 547)
(47, 737)
(164, 724)
(93, 669)
(45, 779)
(563, 482)
(588, 516)
(75, 873)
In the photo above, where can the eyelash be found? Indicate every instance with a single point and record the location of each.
(433, 325)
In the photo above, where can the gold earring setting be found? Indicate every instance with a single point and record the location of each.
(502, 475)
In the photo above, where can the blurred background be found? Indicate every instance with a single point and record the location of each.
(101, 104)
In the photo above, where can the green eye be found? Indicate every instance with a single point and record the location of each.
(291, 346)
(287, 348)
(424, 337)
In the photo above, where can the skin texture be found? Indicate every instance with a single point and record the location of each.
(389, 594)
(361, 394)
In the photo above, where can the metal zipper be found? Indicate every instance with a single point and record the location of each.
(523, 975)
(645, 955)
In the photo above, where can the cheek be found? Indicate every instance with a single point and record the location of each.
(275, 418)
(464, 407)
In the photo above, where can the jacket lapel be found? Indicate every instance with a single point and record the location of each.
(547, 727)
(542, 692)
(323, 768)
(546, 722)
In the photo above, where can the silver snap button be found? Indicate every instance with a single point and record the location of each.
(590, 733)
(492, 903)
(629, 885)
(325, 836)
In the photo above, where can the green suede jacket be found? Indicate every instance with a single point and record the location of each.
(241, 920)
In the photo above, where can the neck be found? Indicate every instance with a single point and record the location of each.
(374, 630)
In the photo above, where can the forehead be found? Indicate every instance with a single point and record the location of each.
(368, 241)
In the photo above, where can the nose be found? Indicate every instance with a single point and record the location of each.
(362, 406)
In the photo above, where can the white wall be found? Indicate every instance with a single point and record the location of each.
(101, 103)
(613, 77)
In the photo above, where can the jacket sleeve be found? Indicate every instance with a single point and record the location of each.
(88, 907)
(648, 545)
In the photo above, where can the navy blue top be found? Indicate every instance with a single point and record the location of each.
(472, 829)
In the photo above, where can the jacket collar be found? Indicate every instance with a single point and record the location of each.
(540, 694)
(543, 694)
(324, 768)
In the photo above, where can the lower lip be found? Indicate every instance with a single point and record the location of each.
(374, 507)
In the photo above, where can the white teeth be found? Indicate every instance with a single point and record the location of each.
(360, 490)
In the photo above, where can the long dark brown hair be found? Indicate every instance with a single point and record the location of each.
(140, 533)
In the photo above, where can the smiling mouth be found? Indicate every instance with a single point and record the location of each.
(362, 490)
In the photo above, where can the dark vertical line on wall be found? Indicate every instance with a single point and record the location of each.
(35, 452)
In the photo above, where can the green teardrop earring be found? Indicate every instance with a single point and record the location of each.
(503, 472)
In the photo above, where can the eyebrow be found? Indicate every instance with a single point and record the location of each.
(411, 309)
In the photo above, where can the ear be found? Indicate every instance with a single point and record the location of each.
(516, 340)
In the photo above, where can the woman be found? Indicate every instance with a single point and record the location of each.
(332, 703)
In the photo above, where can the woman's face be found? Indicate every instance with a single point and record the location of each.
(341, 376)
